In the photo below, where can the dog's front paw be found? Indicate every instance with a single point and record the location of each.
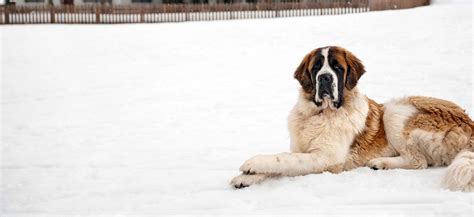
(377, 163)
(242, 181)
(260, 164)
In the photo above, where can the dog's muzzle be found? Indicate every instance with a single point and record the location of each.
(325, 89)
(326, 92)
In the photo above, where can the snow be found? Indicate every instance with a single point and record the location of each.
(133, 120)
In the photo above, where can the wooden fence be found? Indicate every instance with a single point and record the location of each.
(378, 5)
(156, 13)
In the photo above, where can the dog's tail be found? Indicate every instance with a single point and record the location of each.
(460, 173)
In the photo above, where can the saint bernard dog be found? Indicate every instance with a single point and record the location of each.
(334, 127)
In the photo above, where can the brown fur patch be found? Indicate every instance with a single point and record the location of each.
(457, 138)
(372, 142)
(302, 73)
(437, 115)
(354, 69)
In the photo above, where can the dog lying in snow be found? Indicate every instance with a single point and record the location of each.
(333, 127)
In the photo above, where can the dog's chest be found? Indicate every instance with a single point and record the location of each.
(327, 130)
(319, 132)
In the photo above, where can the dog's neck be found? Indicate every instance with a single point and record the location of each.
(352, 100)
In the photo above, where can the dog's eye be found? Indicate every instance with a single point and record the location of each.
(338, 67)
(317, 65)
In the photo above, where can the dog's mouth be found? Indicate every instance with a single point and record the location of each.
(324, 103)
(323, 94)
(326, 100)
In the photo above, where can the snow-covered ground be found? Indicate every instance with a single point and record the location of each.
(156, 119)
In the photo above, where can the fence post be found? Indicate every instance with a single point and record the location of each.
(142, 14)
(187, 12)
(7, 14)
(51, 14)
(97, 13)
(277, 9)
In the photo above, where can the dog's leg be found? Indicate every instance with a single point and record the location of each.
(242, 180)
(289, 164)
(422, 145)
(410, 158)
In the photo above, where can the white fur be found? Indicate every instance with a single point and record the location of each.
(322, 138)
(396, 114)
(247, 180)
(388, 162)
(460, 174)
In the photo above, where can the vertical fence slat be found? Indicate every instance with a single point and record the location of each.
(7, 14)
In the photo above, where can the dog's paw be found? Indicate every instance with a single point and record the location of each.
(242, 181)
(260, 164)
(377, 163)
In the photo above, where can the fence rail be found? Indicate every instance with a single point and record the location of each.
(156, 13)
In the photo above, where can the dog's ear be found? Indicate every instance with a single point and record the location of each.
(355, 70)
(302, 74)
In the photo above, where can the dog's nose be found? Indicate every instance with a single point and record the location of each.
(325, 78)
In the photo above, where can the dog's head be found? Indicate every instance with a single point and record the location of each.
(325, 73)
